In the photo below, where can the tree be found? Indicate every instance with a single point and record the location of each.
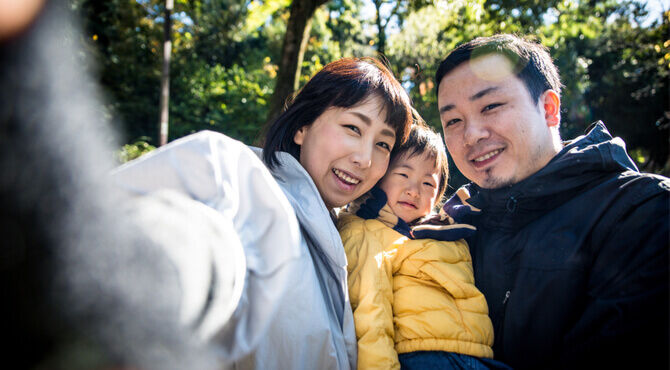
(293, 51)
(124, 40)
(165, 76)
(628, 73)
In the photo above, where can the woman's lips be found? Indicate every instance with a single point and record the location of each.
(345, 180)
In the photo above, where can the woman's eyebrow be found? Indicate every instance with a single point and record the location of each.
(368, 121)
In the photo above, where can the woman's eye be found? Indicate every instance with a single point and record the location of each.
(491, 106)
(384, 145)
(353, 128)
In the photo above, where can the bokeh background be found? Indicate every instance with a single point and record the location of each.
(231, 64)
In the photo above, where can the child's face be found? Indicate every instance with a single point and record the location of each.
(411, 185)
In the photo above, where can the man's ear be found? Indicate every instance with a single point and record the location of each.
(552, 107)
(299, 136)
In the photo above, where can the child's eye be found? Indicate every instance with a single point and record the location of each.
(384, 145)
(429, 184)
(353, 128)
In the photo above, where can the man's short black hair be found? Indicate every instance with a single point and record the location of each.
(531, 61)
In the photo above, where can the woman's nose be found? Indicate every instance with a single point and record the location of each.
(362, 157)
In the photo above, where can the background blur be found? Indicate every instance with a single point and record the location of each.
(232, 64)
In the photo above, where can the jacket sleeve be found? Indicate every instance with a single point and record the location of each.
(625, 319)
(208, 180)
(371, 295)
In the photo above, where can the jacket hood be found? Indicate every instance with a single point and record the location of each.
(373, 205)
(580, 162)
(309, 208)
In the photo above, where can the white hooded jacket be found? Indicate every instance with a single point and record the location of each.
(288, 308)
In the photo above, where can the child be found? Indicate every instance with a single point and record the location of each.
(414, 300)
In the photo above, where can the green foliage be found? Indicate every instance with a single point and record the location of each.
(125, 41)
(225, 55)
(613, 69)
(230, 100)
(629, 88)
(131, 151)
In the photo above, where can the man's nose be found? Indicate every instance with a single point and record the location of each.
(475, 131)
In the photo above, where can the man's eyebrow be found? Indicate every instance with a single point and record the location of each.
(386, 132)
(482, 93)
(474, 97)
(446, 108)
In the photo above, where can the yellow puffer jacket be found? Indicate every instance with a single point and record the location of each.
(411, 295)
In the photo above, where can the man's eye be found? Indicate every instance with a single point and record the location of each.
(353, 128)
(491, 106)
(402, 174)
(452, 122)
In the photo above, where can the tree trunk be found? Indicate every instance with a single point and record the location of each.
(165, 78)
(293, 50)
(381, 28)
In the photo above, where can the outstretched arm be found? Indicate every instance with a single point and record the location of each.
(212, 180)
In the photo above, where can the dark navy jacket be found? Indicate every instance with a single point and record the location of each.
(573, 260)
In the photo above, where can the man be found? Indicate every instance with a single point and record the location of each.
(571, 249)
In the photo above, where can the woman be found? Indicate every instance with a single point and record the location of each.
(331, 145)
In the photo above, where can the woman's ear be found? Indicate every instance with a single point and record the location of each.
(552, 108)
(299, 137)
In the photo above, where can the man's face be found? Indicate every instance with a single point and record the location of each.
(495, 133)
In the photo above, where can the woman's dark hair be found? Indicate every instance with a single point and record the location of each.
(344, 83)
(423, 140)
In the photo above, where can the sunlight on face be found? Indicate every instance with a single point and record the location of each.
(411, 185)
(494, 131)
(346, 150)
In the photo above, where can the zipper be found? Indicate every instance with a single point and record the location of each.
(507, 293)
(501, 325)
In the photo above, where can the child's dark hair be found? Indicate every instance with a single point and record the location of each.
(344, 83)
(423, 140)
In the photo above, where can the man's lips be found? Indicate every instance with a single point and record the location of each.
(486, 158)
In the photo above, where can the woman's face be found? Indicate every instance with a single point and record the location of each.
(346, 150)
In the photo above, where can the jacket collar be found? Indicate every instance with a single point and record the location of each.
(373, 205)
(582, 161)
(309, 208)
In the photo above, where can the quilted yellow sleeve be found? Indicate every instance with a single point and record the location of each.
(371, 295)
